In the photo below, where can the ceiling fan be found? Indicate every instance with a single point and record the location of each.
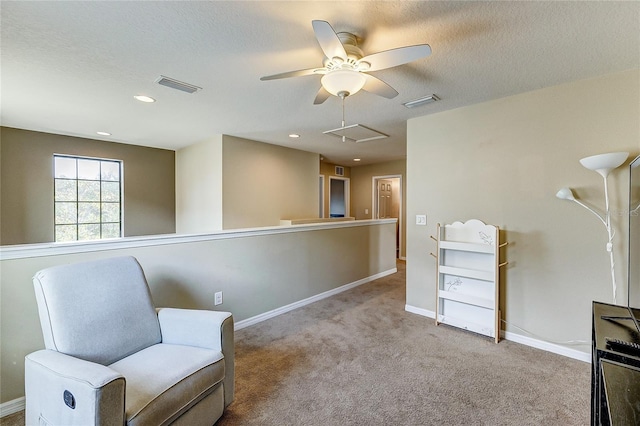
(344, 70)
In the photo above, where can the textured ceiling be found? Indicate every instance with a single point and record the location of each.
(73, 67)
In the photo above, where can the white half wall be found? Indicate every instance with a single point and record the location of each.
(258, 270)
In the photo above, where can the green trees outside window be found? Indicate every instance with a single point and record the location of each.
(87, 198)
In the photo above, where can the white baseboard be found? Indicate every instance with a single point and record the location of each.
(547, 346)
(295, 305)
(11, 407)
(420, 311)
(518, 338)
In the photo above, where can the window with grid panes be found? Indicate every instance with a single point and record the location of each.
(87, 198)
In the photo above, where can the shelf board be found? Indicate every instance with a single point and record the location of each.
(468, 273)
(471, 247)
(483, 302)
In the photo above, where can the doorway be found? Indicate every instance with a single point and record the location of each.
(387, 203)
(338, 197)
(321, 197)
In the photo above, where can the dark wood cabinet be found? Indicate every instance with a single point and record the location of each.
(615, 374)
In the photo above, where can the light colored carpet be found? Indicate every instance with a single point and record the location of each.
(359, 359)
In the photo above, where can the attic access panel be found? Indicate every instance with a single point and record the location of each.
(356, 133)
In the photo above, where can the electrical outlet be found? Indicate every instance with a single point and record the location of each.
(421, 219)
(366, 211)
(218, 298)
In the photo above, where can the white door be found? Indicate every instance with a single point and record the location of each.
(384, 199)
(387, 198)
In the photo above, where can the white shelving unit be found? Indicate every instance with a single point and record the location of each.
(468, 274)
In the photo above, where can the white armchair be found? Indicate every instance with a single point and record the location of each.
(111, 358)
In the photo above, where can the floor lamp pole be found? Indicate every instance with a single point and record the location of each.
(610, 235)
(602, 164)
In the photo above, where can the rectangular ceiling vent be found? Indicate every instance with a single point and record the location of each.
(421, 101)
(176, 84)
(356, 133)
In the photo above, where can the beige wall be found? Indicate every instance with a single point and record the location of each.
(361, 192)
(502, 162)
(199, 187)
(26, 184)
(256, 272)
(264, 183)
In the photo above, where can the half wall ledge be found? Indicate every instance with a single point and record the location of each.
(25, 251)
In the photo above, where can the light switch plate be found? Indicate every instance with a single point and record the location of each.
(421, 219)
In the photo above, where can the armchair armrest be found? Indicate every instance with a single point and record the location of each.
(192, 327)
(97, 391)
(205, 329)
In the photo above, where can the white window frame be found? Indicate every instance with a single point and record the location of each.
(120, 202)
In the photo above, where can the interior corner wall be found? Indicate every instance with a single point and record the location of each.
(264, 183)
(361, 192)
(26, 184)
(199, 187)
(502, 162)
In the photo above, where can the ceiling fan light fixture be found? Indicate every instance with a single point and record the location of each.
(343, 80)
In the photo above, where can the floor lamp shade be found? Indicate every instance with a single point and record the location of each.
(604, 163)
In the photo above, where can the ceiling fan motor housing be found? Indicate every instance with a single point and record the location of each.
(354, 53)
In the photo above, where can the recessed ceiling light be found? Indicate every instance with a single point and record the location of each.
(294, 135)
(143, 98)
(356, 159)
(104, 133)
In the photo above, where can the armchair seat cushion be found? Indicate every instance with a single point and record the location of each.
(161, 386)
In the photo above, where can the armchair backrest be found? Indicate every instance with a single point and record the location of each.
(100, 311)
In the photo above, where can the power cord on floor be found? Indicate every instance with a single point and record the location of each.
(567, 342)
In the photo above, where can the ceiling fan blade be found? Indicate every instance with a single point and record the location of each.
(328, 39)
(298, 73)
(376, 86)
(321, 96)
(394, 57)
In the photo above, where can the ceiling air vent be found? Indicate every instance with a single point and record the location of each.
(421, 101)
(178, 85)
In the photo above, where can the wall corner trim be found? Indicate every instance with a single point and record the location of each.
(518, 338)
